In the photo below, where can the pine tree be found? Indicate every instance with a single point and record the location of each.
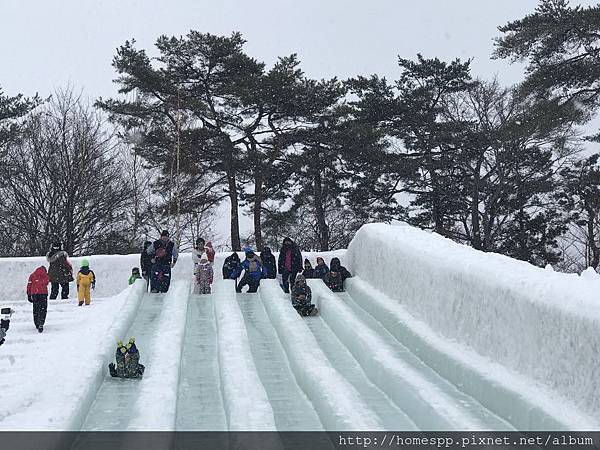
(562, 47)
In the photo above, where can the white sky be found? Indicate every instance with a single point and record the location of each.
(46, 44)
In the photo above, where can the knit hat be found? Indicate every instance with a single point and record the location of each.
(300, 278)
(164, 233)
(85, 263)
(248, 251)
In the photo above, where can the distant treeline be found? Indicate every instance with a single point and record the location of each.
(503, 169)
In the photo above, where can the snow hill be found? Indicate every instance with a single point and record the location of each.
(429, 335)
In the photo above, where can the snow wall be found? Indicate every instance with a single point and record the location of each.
(112, 271)
(542, 326)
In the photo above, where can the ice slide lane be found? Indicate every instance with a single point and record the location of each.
(431, 401)
(200, 400)
(246, 403)
(519, 401)
(291, 408)
(122, 404)
(112, 407)
(338, 403)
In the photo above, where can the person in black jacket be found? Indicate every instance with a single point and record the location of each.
(336, 276)
(308, 271)
(231, 266)
(269, 265)
(164, 257)
(146, 263)
(289, 263)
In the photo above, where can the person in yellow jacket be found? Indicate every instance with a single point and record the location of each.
(86, 280)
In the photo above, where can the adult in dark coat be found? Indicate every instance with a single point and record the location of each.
(146, 263)
(231, 266)
(269, 264)
(336, 276)
(289, 263)
(164, 257)
(60, 272)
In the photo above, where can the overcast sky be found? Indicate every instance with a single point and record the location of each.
(46, 44)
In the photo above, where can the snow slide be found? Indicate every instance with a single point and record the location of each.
(522, 340)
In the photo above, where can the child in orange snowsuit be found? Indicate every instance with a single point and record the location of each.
(86, 280)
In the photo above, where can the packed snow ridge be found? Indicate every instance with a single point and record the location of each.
(429, 335)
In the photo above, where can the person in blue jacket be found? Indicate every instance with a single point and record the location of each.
(253, 270)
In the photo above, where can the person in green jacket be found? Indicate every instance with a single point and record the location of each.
(135, 275)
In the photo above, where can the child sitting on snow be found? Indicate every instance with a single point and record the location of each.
(204, 275)
(302, 296)
(321, 269)
(135, 275)
(308, 271)
(336, 276)
(128, 361)
(231, 265)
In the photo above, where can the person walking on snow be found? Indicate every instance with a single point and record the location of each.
(321, 269)
(336, 276)
(204, 276)
(269, 264)
(302, 297)
(37, 294)
(289, 263)
(231, 266)
(253, 272)
(164, 257)
(86, 280)
(60, 272)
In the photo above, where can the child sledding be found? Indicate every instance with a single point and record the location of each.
(203, 275)
(302, 296)
(128, 361)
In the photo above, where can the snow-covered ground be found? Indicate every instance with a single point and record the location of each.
(429, 335)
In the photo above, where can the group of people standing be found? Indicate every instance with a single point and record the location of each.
(58, 274)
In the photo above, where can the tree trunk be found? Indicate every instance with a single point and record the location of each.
(322, 226)
(236, 244)
(591, 239)
(475, 224)
(258, 185)
(436, 213)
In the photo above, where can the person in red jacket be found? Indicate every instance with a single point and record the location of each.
(37, 293)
